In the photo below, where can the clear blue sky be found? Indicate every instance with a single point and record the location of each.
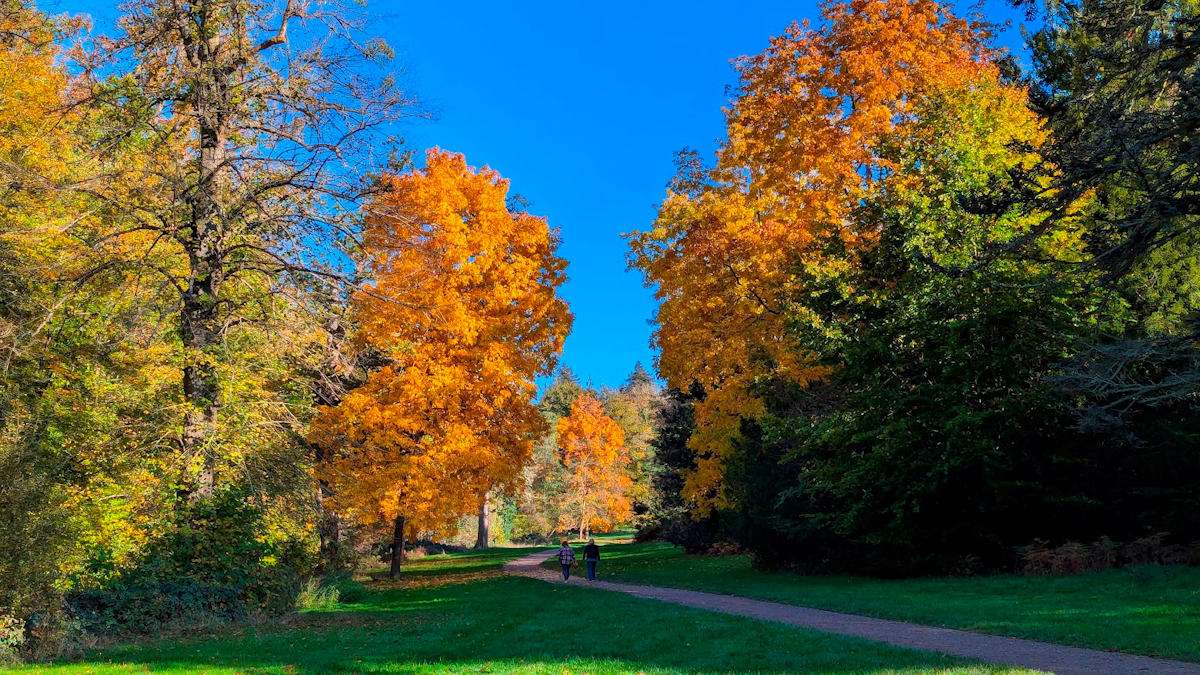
(582, 106)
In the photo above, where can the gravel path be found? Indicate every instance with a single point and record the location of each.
(987, 648)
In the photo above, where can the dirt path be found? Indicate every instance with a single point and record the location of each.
(988, 648)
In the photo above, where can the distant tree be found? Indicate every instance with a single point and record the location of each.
(634, 407)
(560, 394)
(597, 467)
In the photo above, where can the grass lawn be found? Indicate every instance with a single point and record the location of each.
(1147, 610)
(456, 613)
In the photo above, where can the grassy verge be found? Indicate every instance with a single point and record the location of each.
(454, 613)
(1147, 610)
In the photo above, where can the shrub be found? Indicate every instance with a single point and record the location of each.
(211, 567)
(1040, 558)
(314, 595)
(149, 607)
(724, 548)
(12, 637)
(649, 530)
(329, 591)
(348, 589)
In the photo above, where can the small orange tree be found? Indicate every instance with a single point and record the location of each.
(597, 465)
(463, 306)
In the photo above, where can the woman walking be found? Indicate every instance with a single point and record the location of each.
(566, 558)
(591, 556)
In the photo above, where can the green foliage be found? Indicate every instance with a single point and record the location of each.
(1114, 80)
(151, 606)
(670, 517)
(560, 395)
(316, 596)
(212, 565)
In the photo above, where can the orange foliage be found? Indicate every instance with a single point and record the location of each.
(597, 465)
(463, 306)
(806, 145)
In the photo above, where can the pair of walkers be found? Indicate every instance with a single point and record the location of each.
(591, 556)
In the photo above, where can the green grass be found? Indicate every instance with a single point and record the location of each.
(466, 563)
(473, 622)
(1147, 610)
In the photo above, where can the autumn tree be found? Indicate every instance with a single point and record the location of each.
(34, 497)
(462, 306)
(861, 278)
(257, 120)
(597, 467)
(732, 245)
(634, 406)
(538, 504)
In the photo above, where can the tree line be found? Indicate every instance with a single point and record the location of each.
(927, 309)
(247, 337)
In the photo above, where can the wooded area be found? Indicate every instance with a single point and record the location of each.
(926, 311)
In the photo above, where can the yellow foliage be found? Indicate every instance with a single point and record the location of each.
(597, 464)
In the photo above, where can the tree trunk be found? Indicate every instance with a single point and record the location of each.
(397, 547)
(481, 536)
(200, 321)
(329, 530)
(200, 389)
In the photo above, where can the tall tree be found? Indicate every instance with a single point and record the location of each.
(1116, 81)
(731, 247)
(462, 304)
(253, 113)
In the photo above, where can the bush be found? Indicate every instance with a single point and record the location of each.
(720, 548)
(348, 589)
(314, 595)
(1040, 558)
(12, 637)
(148, 608)
(649, 530)
(211, 567)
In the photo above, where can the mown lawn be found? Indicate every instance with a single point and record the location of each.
(456, 613)
(1146, 610)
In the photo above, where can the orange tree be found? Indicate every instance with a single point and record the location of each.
(462, 306)
(864, 228)
(735, 246)
(597, 466)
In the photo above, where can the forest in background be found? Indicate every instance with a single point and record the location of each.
(925, 312)
(928, 312)
(252, 346)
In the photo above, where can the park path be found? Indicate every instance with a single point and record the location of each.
(977, 646)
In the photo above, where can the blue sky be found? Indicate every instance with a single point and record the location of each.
(582, 106)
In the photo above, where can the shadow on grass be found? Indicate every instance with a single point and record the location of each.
(515, 625)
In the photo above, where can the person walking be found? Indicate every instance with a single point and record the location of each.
(591, 556)
(566, 558)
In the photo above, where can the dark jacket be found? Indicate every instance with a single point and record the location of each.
(591, 552)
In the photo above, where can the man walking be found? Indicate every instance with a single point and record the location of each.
(591, 556)
(566, 558)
